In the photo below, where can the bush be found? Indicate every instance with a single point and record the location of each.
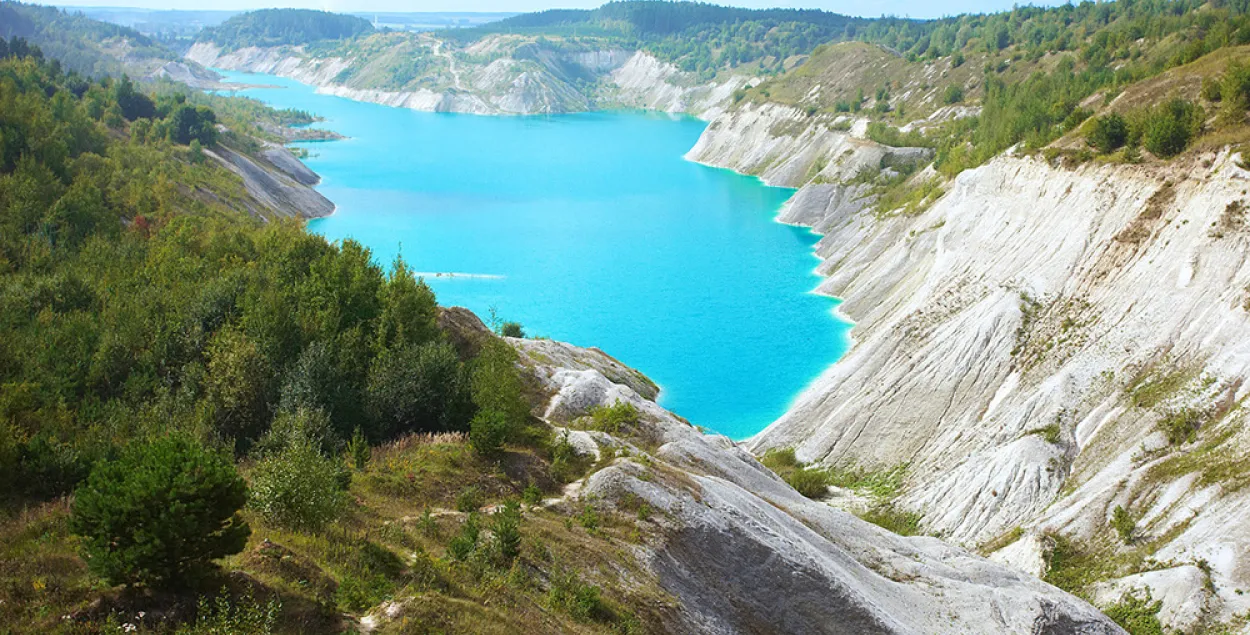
(620, 416)
(1108, 133)
(810, 482)
(1169, 128)
(463, 545)
(358, 450)
(953, 95)
(239, 616)
(580, 600)
(469, 499)
(506, 533)
(512, 329)
(419, 388)
(1139, 615)
(160, 513)
(299, 488)
(488, 431)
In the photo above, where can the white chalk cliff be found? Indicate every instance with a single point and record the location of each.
(1018, 343)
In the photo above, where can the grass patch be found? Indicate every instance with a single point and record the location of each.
(901, 522)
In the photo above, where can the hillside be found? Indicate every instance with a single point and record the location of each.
(1047, 283)
(214, 421)
(277, 27)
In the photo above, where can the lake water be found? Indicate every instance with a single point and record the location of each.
(590, 229)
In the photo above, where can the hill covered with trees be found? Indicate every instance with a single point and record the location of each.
(277, 27)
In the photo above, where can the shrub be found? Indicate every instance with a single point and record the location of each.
(810, 482)
(506, 533)
(469, 499)
(419, 388)
(299, 488)
(1181, 425)
(1123, 524)
(1169, 128)
(953, 95)
(358, 449)
(238, 616)
(1138, 614)
(1108, 133)
(613, 419)
(580, 600)
(512, 329)
(488, 431)
(292, 427)
(463, 545)
(160, 513)
(532, 495)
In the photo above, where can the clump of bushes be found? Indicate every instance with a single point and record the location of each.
(811, 482)
(1168, 129)
(1137, 613)
(1108, 133)
(298, 487)
(620, 416)
(160, 513)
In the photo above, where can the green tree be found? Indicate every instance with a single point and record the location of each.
(238, 381)
(299, 488)
(1171, 126)
(160, 513)
(409, 310)
(1108, 133)
(419, 389)
(188, 122)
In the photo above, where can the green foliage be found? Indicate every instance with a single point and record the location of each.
(189, 123)
(358, 450)
(1181, 425)
(512, 329)
(532, 495)
(419, 388)
(620, 417)
(889, 517)
(160, 513)
(953, 94)
(1108, 133)
(580, 600)
(487, 432)
(888, 135)
(469, 499)
(1123, 524)
(506, 534)
(243, 615)
(299, 488)
(1168, 128)
(276, 27)
(463, 545)
(810, 482)
(1137, 614)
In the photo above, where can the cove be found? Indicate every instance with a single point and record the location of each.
(590, 229)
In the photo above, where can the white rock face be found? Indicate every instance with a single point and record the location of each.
(999, 333)
(1182, 590)
(536, 82)
(743, 552)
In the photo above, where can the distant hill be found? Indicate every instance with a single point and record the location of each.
(78, 42)
(277, 27)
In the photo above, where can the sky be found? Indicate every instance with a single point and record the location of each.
(902, 8)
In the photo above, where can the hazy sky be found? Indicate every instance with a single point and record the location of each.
(912, 8)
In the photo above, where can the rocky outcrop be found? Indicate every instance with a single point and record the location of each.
(278, 183)
(1042, 345)
(742, 552)
(517, 80)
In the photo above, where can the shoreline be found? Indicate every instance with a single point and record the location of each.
(838, 318)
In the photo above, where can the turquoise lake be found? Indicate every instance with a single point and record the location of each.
(592, 229)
